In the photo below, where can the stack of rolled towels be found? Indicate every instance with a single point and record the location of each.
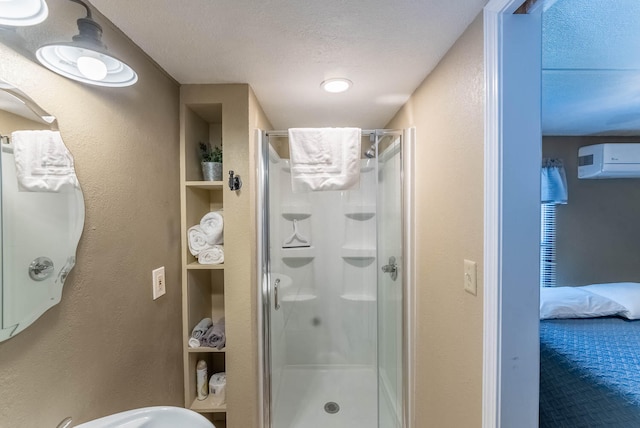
(208, 334)
(206, 239)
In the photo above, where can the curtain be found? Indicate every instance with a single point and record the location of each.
(553, 182)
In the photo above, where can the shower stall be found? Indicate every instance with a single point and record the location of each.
(333, 292)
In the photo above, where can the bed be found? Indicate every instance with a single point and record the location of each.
(590, 372)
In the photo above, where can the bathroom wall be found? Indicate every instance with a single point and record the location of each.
(447, 111)
(107, 346)
(598, 230)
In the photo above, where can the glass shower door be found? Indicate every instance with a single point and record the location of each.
(390, 282)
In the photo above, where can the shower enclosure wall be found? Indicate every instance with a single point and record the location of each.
(333, 293)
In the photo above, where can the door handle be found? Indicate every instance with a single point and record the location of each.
(391, 268)
(276, 301)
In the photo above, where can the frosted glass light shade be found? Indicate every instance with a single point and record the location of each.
(336, 85)
(19, 13)
(63, 58)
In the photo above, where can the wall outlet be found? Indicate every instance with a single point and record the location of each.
(159, 287)
(470, 277)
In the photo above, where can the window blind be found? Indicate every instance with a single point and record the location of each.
(548, 245)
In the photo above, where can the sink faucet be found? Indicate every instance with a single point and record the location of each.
(66, 423)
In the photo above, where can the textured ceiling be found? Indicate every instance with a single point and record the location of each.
(285, 49)
(591, 68)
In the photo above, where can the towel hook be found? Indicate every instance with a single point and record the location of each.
(234, 181)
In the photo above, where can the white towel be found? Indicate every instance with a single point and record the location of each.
(197, 240)
(43, 163)
(324, 158)
(212, 256)
(212, 225)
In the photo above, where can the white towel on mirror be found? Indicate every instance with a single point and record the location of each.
(212, 225)
(197, 240)
(43, 163)
(324, 158)
(212, 256)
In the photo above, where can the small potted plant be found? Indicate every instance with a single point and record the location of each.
(211, 158)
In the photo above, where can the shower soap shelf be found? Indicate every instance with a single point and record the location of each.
(298, 298)
(358, 297)
(298, 253)
(296, 211)
(358, 253)
(361, 211)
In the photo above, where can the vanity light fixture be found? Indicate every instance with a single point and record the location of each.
(20, 13)
(86, 59)
(336, 85)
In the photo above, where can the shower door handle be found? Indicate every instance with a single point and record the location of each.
(276, 301)
(391, 268)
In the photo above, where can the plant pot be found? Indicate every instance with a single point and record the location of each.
(212, 171)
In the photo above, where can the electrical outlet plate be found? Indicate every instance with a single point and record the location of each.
(159, 287)
(470, 277)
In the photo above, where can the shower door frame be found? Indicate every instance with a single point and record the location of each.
(264, 277)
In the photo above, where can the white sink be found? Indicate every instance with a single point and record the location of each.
(151, 417)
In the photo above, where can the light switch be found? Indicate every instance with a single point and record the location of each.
(159, 287)
(470, 277)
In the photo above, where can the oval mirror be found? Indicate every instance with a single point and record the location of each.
(42, 211)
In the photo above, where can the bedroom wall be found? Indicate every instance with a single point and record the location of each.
(598, 231)
(447, 111)
(107, 346)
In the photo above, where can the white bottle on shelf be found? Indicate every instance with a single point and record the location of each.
(202, 386)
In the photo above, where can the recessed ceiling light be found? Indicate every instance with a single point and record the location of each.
(336, 85)
(19, 13)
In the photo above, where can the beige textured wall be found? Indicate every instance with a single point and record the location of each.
(447, 111)
(107, 346)
(598, 230)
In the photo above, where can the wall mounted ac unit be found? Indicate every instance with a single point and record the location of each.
(609, 160)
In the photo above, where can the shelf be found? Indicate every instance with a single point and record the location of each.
(196, 265)
(360, 211)
(358, 253)
(297, 211)
(299, 298)
(207, 406)
(298, 253)
(358, 297)
(209, 185)
(202, 349)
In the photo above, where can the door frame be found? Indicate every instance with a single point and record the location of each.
(513, 140)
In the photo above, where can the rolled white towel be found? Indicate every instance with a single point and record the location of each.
(212, 256)
(212, 226)
(197, 240)
(194, 343)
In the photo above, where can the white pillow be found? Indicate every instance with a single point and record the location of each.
(575, 302)
(626, 294)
